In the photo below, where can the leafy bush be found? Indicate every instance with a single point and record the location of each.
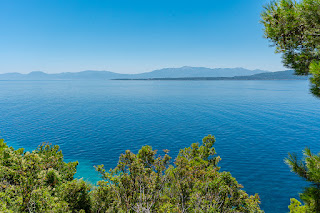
(40, 181)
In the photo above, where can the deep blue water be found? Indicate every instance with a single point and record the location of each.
(256, 123)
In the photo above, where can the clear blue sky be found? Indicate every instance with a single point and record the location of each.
(132, 36)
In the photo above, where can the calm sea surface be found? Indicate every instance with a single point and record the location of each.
(256, 123)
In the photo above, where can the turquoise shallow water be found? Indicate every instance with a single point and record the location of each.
(256, 123)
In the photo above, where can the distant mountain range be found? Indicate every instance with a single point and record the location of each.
(183, 72)
(280, 75)
(84, 75)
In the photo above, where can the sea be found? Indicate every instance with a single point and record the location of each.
(256, 125)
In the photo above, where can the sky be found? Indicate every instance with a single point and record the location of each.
(132, 36)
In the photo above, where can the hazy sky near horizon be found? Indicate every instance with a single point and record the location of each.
(132, 36)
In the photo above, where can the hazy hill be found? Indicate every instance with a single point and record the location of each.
(162, 73)
(280, 75)
(197, 72)
(85, 75)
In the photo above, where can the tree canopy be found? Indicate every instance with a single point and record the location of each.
(309, 169)
(293, 27)
(40, 181)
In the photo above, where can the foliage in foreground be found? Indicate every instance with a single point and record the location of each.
(294, 29)
(40, 181)
(308, 169)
